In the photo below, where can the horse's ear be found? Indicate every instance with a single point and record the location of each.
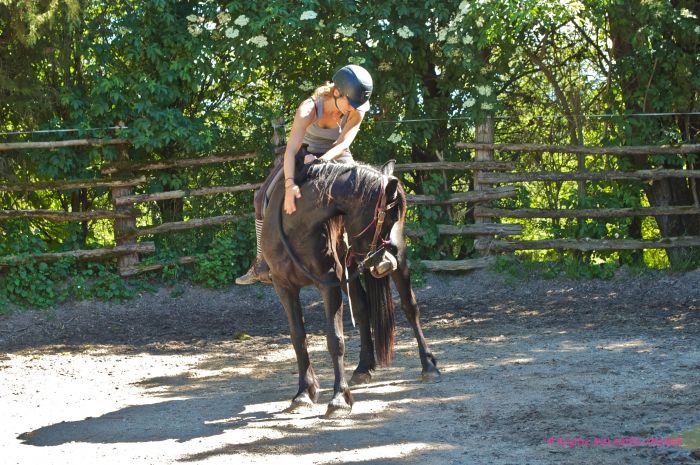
(388, 168)
(391, 188)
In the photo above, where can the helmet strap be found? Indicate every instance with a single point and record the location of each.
(335, 101)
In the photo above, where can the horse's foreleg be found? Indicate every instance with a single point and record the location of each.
(360, 309)
(308, 384)
(402, 279)
(341, 404)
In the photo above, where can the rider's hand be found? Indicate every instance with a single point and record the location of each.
(290, 193)
(309, 159)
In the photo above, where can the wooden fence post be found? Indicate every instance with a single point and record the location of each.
(279, 138)
(484, 135)
(124, 228)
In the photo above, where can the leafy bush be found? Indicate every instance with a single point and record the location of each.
(227, 258)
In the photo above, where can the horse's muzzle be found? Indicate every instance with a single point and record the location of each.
(386, 265)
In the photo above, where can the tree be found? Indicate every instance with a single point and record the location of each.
(655, 49)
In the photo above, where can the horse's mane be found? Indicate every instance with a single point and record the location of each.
(364, 180)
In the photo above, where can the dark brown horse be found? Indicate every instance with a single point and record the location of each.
(307, 248)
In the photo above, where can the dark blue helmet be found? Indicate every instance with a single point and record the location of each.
(355, 83)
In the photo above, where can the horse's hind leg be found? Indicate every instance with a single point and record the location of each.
(341, 404)
(308, 384)
(402, 279)
(360, 309)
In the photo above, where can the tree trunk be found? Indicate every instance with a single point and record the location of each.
(635, 83)
(434, 102)
(170, 209)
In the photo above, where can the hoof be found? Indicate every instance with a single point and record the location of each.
(300, 403)
(360, 378)
(431, 375)
(338, 408)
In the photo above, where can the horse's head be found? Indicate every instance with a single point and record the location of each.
(380, 218)
(372, 203)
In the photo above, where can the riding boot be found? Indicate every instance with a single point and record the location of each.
(259, 272)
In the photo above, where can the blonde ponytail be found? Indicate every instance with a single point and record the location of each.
(324, 91)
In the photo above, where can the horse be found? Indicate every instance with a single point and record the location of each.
(348, 224)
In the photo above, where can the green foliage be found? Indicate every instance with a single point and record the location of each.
(108, 285)
(227, 258)
(36, 284)
(522, 268)
(43, 285)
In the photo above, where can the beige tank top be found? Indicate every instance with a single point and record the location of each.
(320, 140)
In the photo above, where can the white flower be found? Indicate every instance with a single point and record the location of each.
(484, 90)
(405, 32)
(464, 7)
(486, 106)
(356, 60)
(231, 33)
(210, 26)
(384, 66)
(442, 35)
(259, 41)
(242, 20)
(371, 43)
(306, 86)
(308, 14)
(194, 29)
(223, 18)
(394, 138)
(468, 103)
(347, 31)
(686, 13)
(480, 21)
(193, 18)
(697, 30)
(576, 7)
(453, 40)
(467, 39)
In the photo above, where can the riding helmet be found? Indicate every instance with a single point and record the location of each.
(356, 84)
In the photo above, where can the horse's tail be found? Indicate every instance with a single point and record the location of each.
(381, 311)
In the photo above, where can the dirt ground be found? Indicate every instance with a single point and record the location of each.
(202, 376)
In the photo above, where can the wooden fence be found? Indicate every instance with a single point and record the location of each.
(485, 149)
(123, 176)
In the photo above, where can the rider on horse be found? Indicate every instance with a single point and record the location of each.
(324, 127)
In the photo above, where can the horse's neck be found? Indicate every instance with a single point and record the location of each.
(358, 212)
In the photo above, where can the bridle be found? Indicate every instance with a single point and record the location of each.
(378, 220)
(370, 258)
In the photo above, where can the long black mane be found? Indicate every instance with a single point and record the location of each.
(364, 180)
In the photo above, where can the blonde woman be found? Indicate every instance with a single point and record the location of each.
(324, 127)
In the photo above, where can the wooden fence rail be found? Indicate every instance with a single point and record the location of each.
(82, 255)
(641, 175)
(485, 212)
(7, 146)
(74, 184)
(179, 194)
(586, 150)
(588, 245)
